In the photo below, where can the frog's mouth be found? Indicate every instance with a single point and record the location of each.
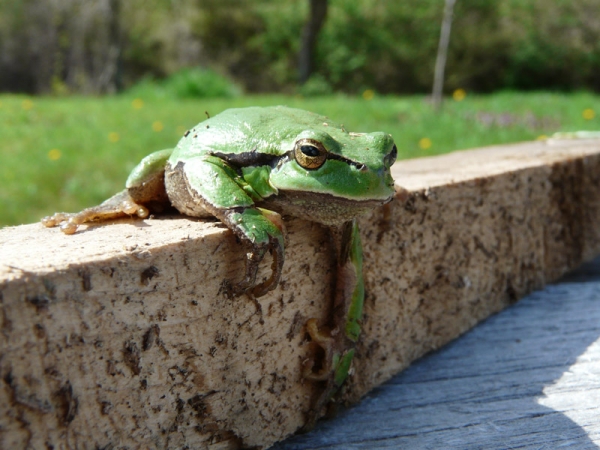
(321, 207)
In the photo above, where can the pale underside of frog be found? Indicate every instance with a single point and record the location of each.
(249, 166)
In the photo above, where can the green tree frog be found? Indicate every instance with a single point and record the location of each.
(249, 166)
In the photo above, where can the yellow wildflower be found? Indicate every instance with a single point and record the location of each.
(588, 114)
(137, 103)
(54, 154)
(459, 95)
(424, 143)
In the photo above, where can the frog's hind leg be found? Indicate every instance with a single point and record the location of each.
(119, 205)
(337, 341)
(145, 193)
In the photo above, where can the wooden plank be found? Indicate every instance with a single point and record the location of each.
(119, 335)
(527, 378)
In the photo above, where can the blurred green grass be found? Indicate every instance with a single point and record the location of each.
(64, 154)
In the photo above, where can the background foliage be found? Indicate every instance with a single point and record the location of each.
(64, 154)
(98, 46)
(175, 59)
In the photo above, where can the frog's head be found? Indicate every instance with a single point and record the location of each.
(335, 175)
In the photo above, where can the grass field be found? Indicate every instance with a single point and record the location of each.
(63, 154)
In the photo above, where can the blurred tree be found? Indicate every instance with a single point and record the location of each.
(99, 46)
(317, 15)
(440, 62)
(60, 45)
(114, 75)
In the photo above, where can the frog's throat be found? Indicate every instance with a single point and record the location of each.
(320, 207)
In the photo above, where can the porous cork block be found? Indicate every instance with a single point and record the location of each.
(119, 336)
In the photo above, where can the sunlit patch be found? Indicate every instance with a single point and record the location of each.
(541, 137)
(137, 103)
(113, 137)
(576, 394)
(54, 154)
(588, 114)
(425, 143)
(157, 126)
(27, 105)
(368, 94)
(459, 95)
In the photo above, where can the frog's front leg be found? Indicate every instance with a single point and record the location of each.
(263, 231)
(338, 340)
(144, 193)
(207, 183)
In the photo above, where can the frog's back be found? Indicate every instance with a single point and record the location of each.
(268, 130)
(271, 117)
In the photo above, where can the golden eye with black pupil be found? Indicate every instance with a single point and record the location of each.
(310, 153)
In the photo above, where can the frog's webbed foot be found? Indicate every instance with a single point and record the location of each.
(119, 205)
(332, 368)
(264, 231)
(324, 340)
(320, 367)
(248, 284)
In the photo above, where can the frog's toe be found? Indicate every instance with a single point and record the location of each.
(65, 221)
(68, 227)
(131, 208)
(53, 220)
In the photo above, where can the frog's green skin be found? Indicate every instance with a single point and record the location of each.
(246, 167)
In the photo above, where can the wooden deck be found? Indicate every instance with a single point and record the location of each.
(527, 378)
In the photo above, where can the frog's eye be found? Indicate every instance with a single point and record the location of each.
(390, 158)
(309, 153)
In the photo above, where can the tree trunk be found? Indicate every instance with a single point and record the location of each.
(440, 62)
(110, 79)
(318, 12)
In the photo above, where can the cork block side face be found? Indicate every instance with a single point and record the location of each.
(148, 350)
(572, 223)
(454, 256)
